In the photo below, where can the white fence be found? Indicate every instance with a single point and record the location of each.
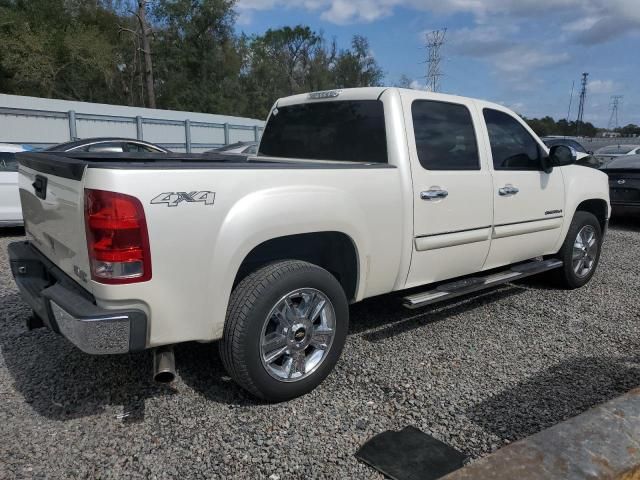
(41, 122)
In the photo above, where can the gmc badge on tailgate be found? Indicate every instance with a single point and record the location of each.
(173, 199)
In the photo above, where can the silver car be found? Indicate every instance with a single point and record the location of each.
(109, 145)
(238, 148)
(10, 210)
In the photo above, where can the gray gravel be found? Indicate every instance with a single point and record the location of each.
(477, 373)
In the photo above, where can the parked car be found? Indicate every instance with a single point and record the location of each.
(10, 211)
(584, 157)
(624, 182)
(108, 144)
(354, 193)
(238, 148)
(606, 154)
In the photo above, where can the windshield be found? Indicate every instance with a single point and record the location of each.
(231, 146)
(562, 141)
(617, 149)
(351, 131)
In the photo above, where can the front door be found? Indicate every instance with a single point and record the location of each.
(528, 203)
(451, 188)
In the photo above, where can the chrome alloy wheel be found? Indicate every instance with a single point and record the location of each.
(297, 334)
(585, 251)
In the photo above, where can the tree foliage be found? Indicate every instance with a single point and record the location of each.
(93, 51)
(548, 126)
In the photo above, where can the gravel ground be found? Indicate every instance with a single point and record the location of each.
(476, 373)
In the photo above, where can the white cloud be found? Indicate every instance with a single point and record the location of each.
(417, 85)
(597, 87)
(588, 21)
(513, 61)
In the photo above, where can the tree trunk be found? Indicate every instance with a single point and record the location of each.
(146, 50)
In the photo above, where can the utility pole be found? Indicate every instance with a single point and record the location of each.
(146, 51)
(573, 85)
(583, 96)
(616, 100)
(435, 40)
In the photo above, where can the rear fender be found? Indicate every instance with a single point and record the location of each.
(277, 212)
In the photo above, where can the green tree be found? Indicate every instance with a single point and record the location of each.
(98, 51)
(58, 48)
(196, 56)
(357, 67)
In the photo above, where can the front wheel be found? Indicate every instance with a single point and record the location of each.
(285, 329)
(580, 252)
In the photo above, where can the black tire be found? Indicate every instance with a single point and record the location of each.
(566, 277)
(250, 303)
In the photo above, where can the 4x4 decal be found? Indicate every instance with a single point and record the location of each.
(173, 199)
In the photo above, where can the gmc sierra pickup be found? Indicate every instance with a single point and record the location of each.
(353, 193)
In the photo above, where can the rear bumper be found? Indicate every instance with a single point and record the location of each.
(68, 309)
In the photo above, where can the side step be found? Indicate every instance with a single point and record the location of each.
(475, 284)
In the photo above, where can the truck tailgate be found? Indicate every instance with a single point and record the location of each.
(53, 209)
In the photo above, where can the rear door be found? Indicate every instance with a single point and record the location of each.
(452, 188)
(528, 203)
(10, 211)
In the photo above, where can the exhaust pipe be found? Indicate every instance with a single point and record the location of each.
(164, 364)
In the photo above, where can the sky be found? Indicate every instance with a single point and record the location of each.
(524, 54)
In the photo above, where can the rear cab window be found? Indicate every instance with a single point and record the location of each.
(342, 130)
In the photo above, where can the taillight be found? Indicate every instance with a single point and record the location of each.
(117, 237)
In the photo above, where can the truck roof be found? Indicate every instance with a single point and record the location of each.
(369, 93)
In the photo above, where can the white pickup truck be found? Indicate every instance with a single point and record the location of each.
(354, 193)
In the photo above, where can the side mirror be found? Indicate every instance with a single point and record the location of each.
(561, 155)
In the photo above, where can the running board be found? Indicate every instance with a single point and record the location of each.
(475, 284)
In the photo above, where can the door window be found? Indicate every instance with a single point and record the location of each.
(445, 137)
(512, 147)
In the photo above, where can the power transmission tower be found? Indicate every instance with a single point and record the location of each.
(583, 96)
(616, 100)
(435, 40)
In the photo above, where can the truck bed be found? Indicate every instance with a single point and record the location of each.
(72, 165)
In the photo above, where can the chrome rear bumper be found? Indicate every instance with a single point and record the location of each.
(68, 309)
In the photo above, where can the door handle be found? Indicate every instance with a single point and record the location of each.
(40, 187)
(508, 190)
(433, 194)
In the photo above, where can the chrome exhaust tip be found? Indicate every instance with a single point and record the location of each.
(164, 365)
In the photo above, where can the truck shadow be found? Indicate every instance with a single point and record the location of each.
(60, 382)
(625, 223)
(12, 232)
(200, 367)
(384, 317)
(558, 393)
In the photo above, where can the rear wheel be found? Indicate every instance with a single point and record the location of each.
(285, 329)
(580, 252)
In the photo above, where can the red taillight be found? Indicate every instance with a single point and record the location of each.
(117, 237)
